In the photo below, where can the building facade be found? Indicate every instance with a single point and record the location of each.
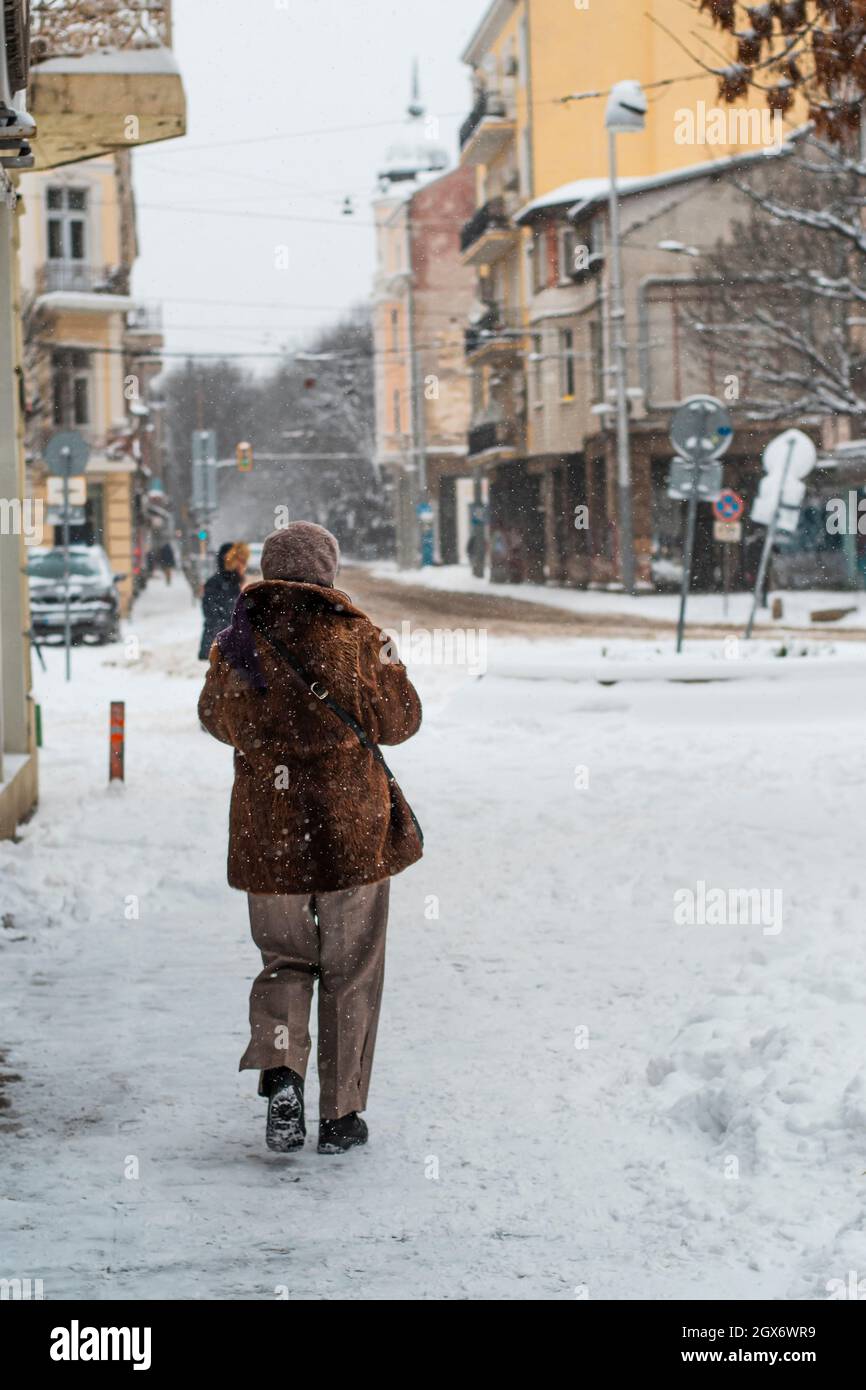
(99, 78)
(90, 349)
(538, 339)
(421, 299)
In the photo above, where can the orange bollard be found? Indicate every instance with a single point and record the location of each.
(117, 727)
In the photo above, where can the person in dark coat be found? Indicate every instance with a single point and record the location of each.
(221, 592)
(166, 560)
(316, 827)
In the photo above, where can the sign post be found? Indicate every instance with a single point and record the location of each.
(116, 741)
(790, 455)
(66, 455)
(727, 528)
(204, 489)
(700, 432)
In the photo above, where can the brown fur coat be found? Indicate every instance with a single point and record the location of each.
(311, 809)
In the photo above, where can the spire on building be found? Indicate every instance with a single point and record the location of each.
(415, 108)
(418, 153)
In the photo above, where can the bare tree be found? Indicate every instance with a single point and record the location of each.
(312, 418)
(787, 298)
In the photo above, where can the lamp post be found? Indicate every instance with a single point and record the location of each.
(626, 113)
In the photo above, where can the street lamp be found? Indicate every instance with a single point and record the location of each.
(626, 114)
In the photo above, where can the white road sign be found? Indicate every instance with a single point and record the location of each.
(77, 491)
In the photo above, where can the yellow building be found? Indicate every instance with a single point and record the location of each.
(540, 72)
(82, 331)
(99, 78)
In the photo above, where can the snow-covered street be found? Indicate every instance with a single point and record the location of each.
(576, 1094)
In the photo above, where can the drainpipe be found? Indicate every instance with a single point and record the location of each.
(530, 172)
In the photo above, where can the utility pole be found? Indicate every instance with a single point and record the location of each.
(626, 111)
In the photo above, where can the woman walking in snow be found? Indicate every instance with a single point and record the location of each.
(221, 592)
(302, 688)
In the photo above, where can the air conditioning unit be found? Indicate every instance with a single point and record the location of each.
(17, 128)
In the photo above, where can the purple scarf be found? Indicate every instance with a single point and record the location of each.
(237, 644)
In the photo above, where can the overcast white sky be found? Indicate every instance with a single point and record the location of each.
(247, 178)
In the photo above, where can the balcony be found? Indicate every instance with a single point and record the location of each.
(81, 278)
(498, 332)
(145, 319)
(486, 130)
(495, 441)
(102, 78)
(488, 235)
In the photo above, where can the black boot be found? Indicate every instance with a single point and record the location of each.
(336, 1136)
(285, 1129)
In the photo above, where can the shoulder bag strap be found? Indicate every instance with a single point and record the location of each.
(315, 688)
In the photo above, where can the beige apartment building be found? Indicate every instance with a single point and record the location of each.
(98, 78)
(422, 296)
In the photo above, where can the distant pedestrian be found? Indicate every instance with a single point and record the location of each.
(303, 689)
(221, 592)
(498, 555)
(476, 550)
(165, 555)
(516, 556)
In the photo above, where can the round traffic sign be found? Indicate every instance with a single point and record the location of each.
(66, 453)
(728, 506)
(701, 429)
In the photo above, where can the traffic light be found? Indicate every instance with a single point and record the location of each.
(244, 456)
(202, 533)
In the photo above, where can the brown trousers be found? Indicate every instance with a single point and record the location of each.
(339, 938)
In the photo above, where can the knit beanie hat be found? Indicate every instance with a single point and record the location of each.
(302, 552)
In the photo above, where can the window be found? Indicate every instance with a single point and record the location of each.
(398, 423)
(477, 394)
(395, 330)
(539, 260)
(67, 223)
(568, 244)
(526, 162)
(596, 361)
(523, 41)
(566, 362)
(71, 387)
(537, 368)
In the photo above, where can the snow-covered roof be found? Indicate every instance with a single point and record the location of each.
(581, 194)
(156, 61)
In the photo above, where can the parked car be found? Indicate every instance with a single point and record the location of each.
(94, 600)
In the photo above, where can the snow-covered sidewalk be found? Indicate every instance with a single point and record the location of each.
(574, 1094)
(708, 609)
